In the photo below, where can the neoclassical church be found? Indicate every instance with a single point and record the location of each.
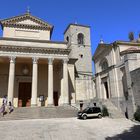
(36, 71)
(117, 76)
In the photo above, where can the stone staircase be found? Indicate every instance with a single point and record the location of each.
(22, 113)
(114, 112)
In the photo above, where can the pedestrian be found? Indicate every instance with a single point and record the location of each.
(81, 105)
(10, 107)
(4, 100)
(2, 110)
(94, 104)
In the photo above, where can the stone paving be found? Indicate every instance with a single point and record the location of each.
(67, 129)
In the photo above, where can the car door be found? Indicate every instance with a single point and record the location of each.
(89, 112)
(96, 111)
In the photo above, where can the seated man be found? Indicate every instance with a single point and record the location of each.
(10, 107)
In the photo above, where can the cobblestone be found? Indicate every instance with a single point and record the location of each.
(64, 129)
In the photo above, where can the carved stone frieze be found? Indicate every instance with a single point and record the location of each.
(35, 50)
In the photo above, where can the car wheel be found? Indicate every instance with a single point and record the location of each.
(84, 117)
(78, 117)
(100, 116)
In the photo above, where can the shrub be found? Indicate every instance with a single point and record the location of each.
(105, 111)
(137, 114)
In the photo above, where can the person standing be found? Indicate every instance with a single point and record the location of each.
(4, 100)
(2, 110)
(81, 105)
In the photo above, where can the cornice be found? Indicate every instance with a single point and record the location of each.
(26, 26)
(129, 51)
(105, 71)
(34, 50)
(127, 43)
(32, 40)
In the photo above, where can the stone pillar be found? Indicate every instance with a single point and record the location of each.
(50, 82)
(11, 79)
(65, 82)
(129, 66)
(115, 74)
(34, 82)
(98, 86)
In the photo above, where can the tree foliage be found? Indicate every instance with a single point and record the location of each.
(131, 36)
(137, 114)
(105, 111)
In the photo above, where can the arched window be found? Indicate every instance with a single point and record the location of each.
(104, 65)
(67, 39)
(80, 38)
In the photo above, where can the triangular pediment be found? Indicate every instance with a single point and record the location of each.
(101, 48)
(26, 20)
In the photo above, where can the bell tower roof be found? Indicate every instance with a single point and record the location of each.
(75, 24)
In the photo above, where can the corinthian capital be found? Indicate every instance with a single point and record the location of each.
(12, 59)
(65, 61)
(35, 60)
(50, 61)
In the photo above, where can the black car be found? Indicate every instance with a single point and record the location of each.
(90, 112)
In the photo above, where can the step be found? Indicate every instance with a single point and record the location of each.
(40, 113)
(114, 112)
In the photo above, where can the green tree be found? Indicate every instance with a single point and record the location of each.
(105, 111)
(137, 114)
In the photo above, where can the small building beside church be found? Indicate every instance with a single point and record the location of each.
(117, 71)
(36, 71)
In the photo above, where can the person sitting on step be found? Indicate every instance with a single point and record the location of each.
(10, 107)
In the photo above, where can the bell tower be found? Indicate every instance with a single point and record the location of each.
(78, 38)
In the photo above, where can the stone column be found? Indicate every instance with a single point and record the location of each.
(34, 82)
(98, 86)
(115, 74)
(11, 79)
(50, 82)
(65, 82)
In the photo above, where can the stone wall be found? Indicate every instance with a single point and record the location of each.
(135, 77)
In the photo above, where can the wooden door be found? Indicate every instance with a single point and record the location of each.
(55, 98)
(24, 98)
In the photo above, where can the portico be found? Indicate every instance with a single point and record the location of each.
(34, 66)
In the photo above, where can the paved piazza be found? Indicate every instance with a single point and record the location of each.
(70, 129)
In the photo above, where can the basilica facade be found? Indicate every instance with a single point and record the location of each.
(117, 70)
(36, 71)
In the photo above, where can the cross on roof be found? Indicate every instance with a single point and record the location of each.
(28, 9)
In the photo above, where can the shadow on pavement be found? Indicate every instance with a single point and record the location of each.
(131, 134)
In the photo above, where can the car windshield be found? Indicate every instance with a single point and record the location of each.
(86, 109)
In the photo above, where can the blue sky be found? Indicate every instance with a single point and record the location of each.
(111, 19)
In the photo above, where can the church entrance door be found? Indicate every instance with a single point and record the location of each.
(106, 89)
(24, 98)
(55, 98)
